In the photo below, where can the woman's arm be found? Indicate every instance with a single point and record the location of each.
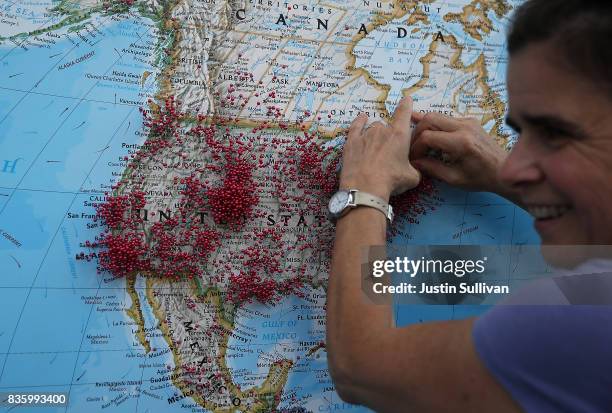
(426, 367)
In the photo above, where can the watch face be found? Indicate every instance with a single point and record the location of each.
(338, 202)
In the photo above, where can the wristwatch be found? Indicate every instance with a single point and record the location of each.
(346, 199)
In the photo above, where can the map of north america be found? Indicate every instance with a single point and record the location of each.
(165, 167)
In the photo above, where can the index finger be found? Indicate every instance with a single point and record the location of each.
(402, 117)
(436, 121)
(441, 141)
(357, 126)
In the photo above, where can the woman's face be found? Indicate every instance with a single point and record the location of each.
(562, 162)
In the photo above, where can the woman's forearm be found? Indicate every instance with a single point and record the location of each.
(353, 321)
(374, 161)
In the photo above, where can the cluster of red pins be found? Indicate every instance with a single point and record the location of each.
(171, 250)
(320, 164)
(164, 127)
(409, 205)
(261, 276)
(122, 253)
(233, 201)
(225, 175)
(122, 247)
(113, 210)
(248, 286)
(178, 252)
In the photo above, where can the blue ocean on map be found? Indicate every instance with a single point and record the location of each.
(63, 130)
(290, 330)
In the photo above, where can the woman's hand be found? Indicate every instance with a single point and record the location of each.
(375, 159)
(465, 156)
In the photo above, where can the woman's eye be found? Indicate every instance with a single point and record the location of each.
(554, 137)
(556, 133)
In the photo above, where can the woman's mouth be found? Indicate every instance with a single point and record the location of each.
(545, 212)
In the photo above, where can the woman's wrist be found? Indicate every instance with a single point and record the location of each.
(380, 190)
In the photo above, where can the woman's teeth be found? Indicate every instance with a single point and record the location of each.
(547, 211)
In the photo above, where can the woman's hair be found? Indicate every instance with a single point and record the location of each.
(579, 30)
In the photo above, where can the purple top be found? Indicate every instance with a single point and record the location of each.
(553, 358)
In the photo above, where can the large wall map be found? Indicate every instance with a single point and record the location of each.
(164, 171)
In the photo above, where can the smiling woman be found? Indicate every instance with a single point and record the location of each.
(549, 358)
(560, 103)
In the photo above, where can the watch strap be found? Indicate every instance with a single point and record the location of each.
(372, 201)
